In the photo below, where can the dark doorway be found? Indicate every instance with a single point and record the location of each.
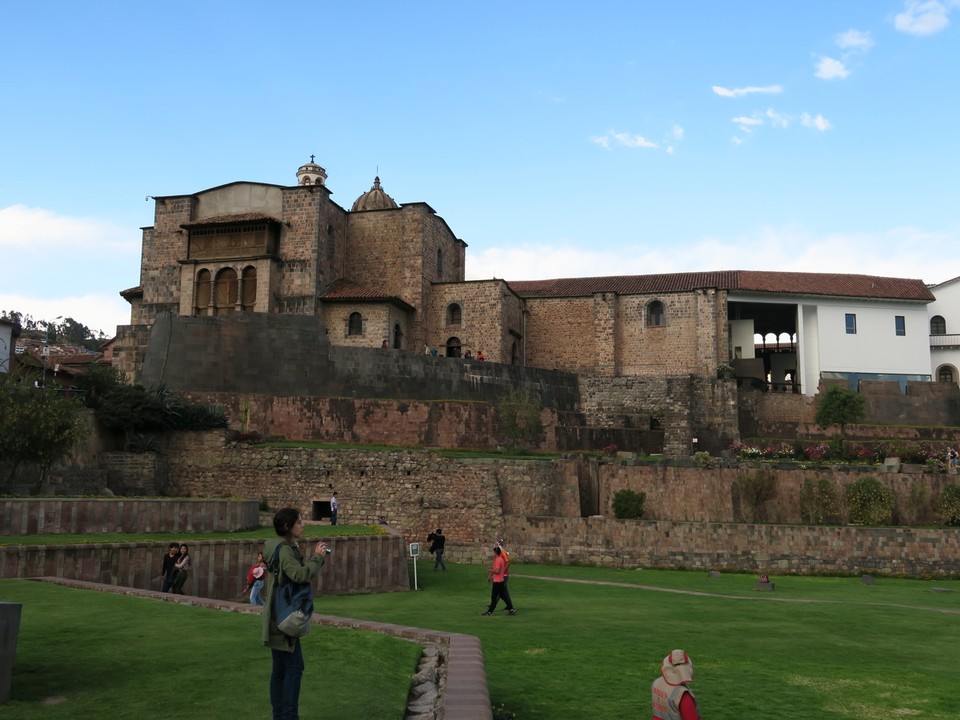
(321, 510)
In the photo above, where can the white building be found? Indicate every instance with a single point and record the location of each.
(944, 319)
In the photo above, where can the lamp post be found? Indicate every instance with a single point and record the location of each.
(46, 349)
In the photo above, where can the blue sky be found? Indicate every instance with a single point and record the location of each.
(557, 139)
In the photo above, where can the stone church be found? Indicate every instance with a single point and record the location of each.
(389, 275)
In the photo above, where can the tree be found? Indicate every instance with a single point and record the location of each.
(38, 426)
(840, 406)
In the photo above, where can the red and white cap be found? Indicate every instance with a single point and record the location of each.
(677, 668)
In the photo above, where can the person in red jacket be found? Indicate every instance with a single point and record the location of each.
(672, 699)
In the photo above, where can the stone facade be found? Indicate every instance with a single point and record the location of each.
(781, 549)
(399, 272)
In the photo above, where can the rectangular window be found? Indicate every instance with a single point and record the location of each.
(901, 324)
(851, 324)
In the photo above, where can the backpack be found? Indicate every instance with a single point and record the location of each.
(292, 602)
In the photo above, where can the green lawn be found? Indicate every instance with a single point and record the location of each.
(110, 656)
(845, 650)
(577, 650)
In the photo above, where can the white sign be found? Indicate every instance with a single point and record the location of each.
(414, 550)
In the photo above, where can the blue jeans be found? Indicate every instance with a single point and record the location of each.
(285, 683)
(439, 561)
(255, 597)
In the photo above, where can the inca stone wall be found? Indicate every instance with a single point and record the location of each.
(774, 549)
(413, 492)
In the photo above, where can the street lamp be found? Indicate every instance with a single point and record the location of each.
(46, 349)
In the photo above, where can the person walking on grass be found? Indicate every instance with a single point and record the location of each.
(498, 590)
(437, 541)
(287, 654)
(672, 699)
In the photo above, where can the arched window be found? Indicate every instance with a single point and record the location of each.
(225, 292)
(397, 337)
(945, 374)
(453, 347)
(655, 314)
(202, 293)
(439, 263)
(938, 326)
(249, 299)
(514, 355)
(454, 314)
(355, 324)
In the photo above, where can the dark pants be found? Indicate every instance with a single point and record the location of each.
(499, 591)
(439, 561)
(285, 683)
(333, 517)
(167, 584)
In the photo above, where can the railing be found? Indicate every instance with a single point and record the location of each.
(944, 341)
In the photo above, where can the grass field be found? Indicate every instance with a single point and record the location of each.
(585, 643)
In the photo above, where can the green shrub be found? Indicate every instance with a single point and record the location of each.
(704, 459)
(949, 505)
(869, 502)
(818, 501)
(628, 505)
(755, 490)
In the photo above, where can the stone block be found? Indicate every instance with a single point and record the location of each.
(9, 632)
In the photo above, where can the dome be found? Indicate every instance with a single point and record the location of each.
(374, 199)
(311, 174)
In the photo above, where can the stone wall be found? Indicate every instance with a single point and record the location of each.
(701, 495)
(925, 405)
(240, 352)
(365, 564)
(780, 549)
(54, 516)
(412, 491)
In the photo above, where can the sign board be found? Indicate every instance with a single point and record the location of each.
(414, 550)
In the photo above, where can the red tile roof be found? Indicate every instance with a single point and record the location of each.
(347, 291)
(822, 284)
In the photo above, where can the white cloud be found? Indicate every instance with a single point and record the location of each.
(924, 17)
(740, 92)
(777, 119)
(69, 266)
(830, 69)
(904, 252)
(853, 40)
(818, 122)
(623, 140)
(38, 231)
(678, 132)
(99, 312)
(736, 141)
(744, 120)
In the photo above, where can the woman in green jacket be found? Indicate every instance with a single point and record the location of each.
(287, 654)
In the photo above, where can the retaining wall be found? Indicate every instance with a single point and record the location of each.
(53, 516)
(800, 549)
(365, 564)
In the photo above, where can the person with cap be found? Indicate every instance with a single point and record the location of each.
(672, 699)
